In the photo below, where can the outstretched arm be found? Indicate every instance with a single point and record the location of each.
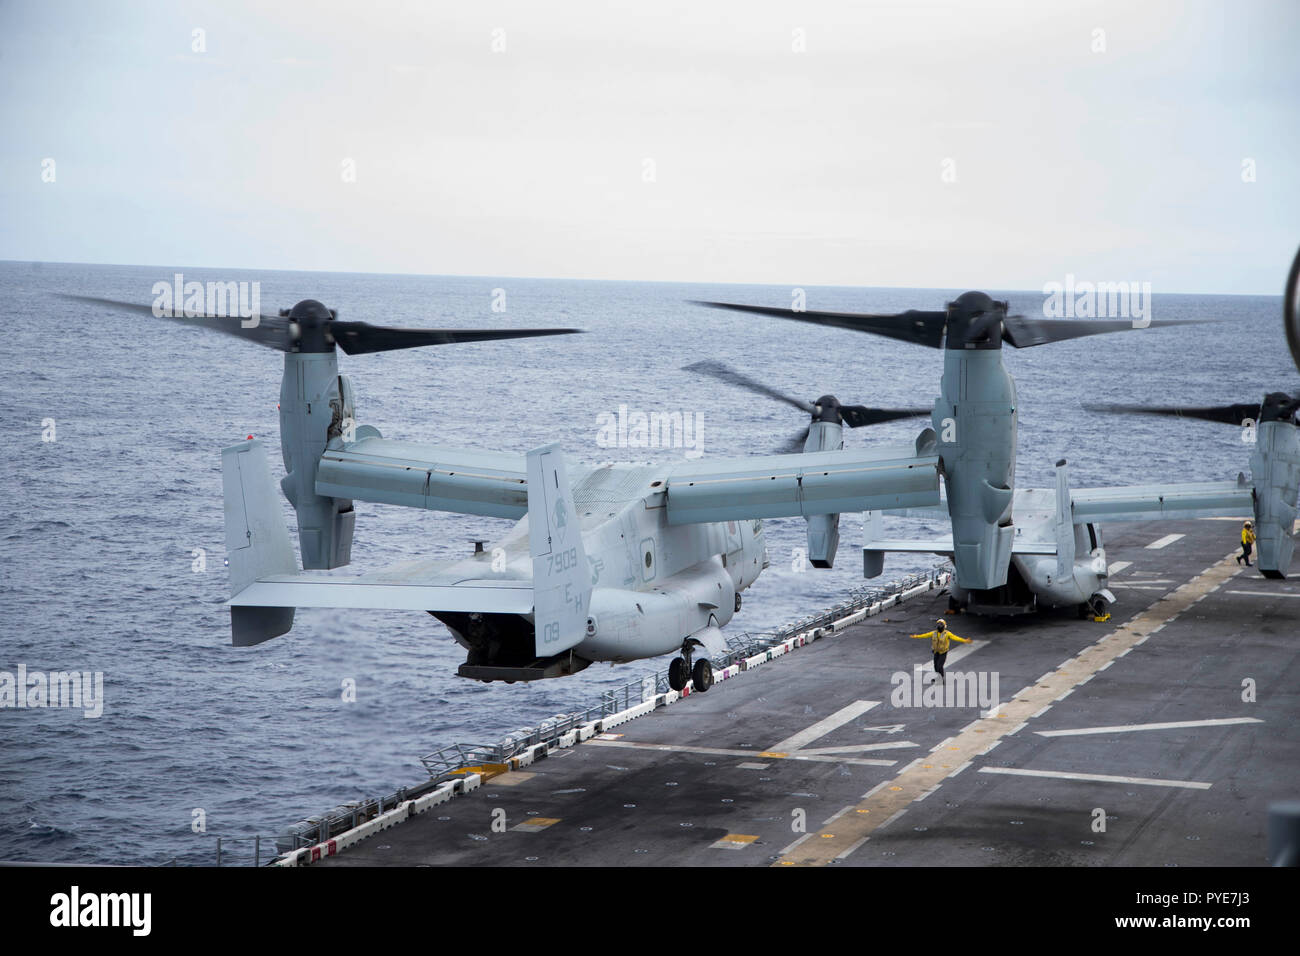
(956, 638)
(926, 634)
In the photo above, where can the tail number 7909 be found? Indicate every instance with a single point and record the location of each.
(562, 561)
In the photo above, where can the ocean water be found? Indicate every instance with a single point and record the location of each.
(99, 526)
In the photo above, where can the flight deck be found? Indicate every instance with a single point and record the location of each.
(1156, 738)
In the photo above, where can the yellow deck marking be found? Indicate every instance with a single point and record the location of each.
(734, 841)
(978, 737)
(486, 770)
(511, 778)
(536, 824)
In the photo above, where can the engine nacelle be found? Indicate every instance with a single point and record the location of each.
(1275, 470)
(975, 421)
(824, 530)
(316, 407)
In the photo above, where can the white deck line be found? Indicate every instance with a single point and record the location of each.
(1098, 778)
(1130, 728)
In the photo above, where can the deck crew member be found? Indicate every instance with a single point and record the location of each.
(1247, 539)
(939, 638)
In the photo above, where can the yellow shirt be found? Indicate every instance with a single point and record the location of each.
(1247, 536)
(939, 640)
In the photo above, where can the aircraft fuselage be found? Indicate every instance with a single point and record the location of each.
(654, 585)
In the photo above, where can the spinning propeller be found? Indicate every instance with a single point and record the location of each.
(973, 320)
(1276, 407)
(311, 327)
(825, 409)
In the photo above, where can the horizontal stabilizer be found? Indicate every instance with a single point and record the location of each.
(315, 589)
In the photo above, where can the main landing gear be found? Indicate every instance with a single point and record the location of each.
(680, 671)
(1095, 608)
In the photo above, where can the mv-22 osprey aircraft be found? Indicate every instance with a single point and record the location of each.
(623, 562)
(1050, 554)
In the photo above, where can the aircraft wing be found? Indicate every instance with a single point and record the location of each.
(939, 510)
(1207, 499)
(1044, 512)
(776, 486)
(433, 477)
(943, 545)
(495, 484)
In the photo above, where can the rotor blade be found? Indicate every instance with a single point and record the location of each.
(795, 443)
(725, 373)
(271, 331)
(1291, 310)
(1226, 414)
(360, 338)
(1024, 332)
(355, 338)
(855, 416)
(922, 328)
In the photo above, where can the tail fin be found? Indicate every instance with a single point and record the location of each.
(1275, 470)
(1064, 523)
(257, 540)
(873, 529)
(561, 576)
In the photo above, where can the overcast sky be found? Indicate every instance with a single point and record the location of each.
(983, 145)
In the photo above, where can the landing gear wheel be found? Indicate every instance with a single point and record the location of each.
(1085, 611)
(702, 675)
(737, 600)
(678, 674)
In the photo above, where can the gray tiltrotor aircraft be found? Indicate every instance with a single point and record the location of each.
(621, 563)
(1275, 458)
(1051, 554)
